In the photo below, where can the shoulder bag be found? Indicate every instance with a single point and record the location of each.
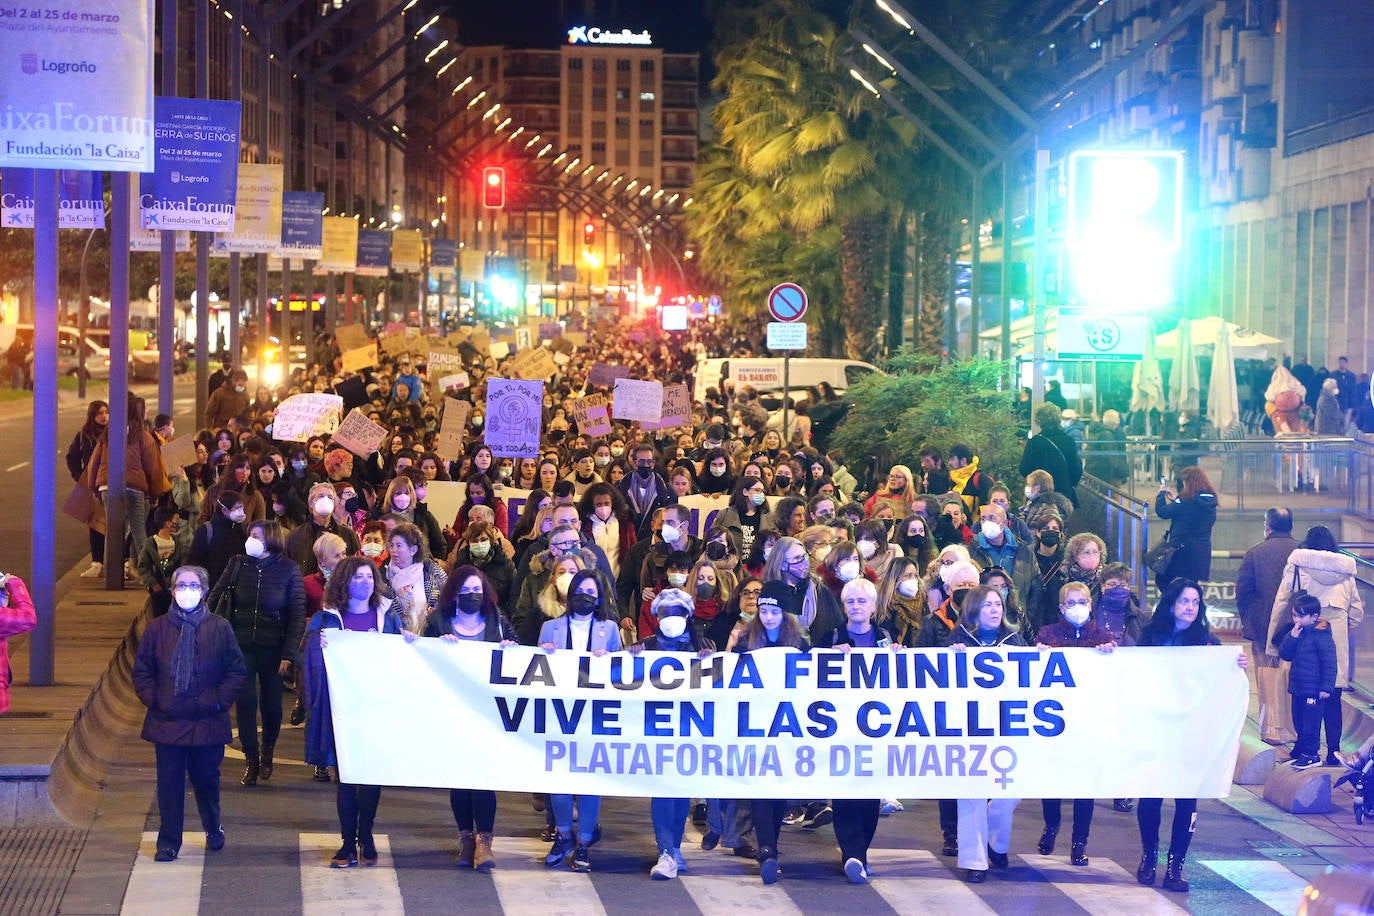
(1158, 558)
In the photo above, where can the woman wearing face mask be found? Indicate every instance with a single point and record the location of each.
(481, 492)
(1180, 619)
(237, 479)
(984, 825)
(399, 500)
(329, 550)
(1085, 555)
(716, 476)
(677, 570)
(606, 520)
(590, 625)
(78, 458)
(353, 601)
(841, 566)
(912, 535)
(769, 625)
(672, 631)
(216, 543)
(938, 573)
(266, 607)
(1075, 629)
(902, 594)
(544, 590)
(747, 511)
(787, 479)
(323, 500)
(415, 579)
(816, 607)
(467, 610)
(481, 547)
(1042, 499)
(187, 672)
(712, 590)
(871, 537)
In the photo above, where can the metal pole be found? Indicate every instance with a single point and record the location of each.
(167, 295)
(1037, 274)
(83, 319)
(42, 575)
(235, 259)
(975, 279)
(117, 431)
(202, 38)
(264, 125)
(786, 394)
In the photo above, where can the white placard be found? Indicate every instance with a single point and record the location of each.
(637, 400)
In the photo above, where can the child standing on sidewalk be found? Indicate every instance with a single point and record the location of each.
(1312, 651)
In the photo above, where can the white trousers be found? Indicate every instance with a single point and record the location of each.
(984, 823)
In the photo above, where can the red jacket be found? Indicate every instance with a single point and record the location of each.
(17, 616)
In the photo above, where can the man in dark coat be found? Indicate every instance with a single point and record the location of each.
(188, 672)
(1051, 450)
(1257, 584)
(645, 489)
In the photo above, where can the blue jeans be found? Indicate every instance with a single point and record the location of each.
(670, 821)
(135, 517)
(720, 817)
(588, 809)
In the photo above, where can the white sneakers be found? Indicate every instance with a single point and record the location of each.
(94, 571)
(890, 806)
(854, 870)
(666, 869)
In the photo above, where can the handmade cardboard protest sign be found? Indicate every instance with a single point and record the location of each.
(352, 337)
(514, 417)
(359, 358)
(535, 364)
(444, 363)
(452, 428)
(592, 415)
(179, 453)
(677, 408)
(637, 400)
(360, 435)
(604, 375)
(304, 415)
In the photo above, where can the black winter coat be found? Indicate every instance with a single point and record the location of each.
(1313, 655)
(1054, 452)
(203, 717)
(1191, 522)
(216, 543)
(268, 606)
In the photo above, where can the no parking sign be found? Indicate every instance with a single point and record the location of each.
(787, 302)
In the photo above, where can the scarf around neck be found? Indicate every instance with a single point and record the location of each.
(184, 655)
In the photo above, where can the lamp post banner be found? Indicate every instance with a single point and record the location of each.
(196, 180)
(302, 225)
(871, 723)
(80, 199)
(339, 244)
(258, 202)
(76, 85)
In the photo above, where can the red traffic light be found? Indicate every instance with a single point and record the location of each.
(588, 233)
(494, 187)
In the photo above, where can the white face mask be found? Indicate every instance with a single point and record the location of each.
(237, 515)
(991, 530)
(1077, 614)
(849, 570)
(669, 533)
(822, 552)
(1030, 492)
(188, 599)
(254, 547)
(324, 506)
(562, 582)
(673, 627)
(371, 549)
(401, 501)
(480, 549)
(867, 549)
(677, 580)
(717, 471)
(908, 588)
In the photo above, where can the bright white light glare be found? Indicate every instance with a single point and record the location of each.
(894, 14)
(503, 291)
(866, 84)
(425, 28)
(1123, 188)
(674, 317)
(878, 57)
(434, 52)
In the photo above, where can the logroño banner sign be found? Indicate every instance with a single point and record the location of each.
(871, 723)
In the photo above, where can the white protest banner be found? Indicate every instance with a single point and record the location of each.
(983, 723)
(77, 86)
(443, 498)
(514, 417)
(257, 212)
(304, 415)
(704, 509)
(499, 350)
(452, 428)
(358, 434)
(636, 400)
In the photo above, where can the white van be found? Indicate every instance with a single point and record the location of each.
(765, 374)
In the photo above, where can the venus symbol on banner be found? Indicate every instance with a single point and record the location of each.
(787, 302)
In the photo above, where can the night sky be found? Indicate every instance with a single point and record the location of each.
(676, 25)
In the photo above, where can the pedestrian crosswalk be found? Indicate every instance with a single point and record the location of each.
(905, 881)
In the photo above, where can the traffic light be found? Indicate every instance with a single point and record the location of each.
(1125, 227)
(588, 233)
(494, 187)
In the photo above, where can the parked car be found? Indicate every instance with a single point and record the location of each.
(68, 364)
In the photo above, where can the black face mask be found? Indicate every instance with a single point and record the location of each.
(1049, 538)
(958, 595)
(356, 504)
(644, 473)
(582, 604)
(915, 541)
(783, 482)
(715, 551)
(469, 602)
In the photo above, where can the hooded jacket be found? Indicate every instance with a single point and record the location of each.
(1330, 578)
(1313, 654)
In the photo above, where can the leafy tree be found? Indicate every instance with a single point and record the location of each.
(922, 401)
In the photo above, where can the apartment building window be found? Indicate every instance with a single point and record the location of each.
(622, 157)
(575, 63)
(646, 66)
(599, 129)
(599, 65)
(622, 65)
(598, 98)
(622, 92)
(646, 158)
(646, 126)
(598, 148)
(622, 127)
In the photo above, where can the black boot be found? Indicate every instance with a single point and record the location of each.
(1149, 861)
(1078, 853)
(250, 772)
(1173, 875)
(1046, 846)
(951, 847)
(265, 767)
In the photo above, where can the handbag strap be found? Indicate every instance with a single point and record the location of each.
(1297, 578)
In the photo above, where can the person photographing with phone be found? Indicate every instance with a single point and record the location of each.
(16, 616)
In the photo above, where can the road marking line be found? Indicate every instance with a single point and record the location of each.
(22, 464)
(915, 882)
(328, 891)
(1102, 887)
(1264, 879)
(156, 888)
(742, 894)
(557, 892)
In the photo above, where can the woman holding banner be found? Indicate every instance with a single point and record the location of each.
(352, 601)
(468, 611)
(1180, 619)
(984, 824)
